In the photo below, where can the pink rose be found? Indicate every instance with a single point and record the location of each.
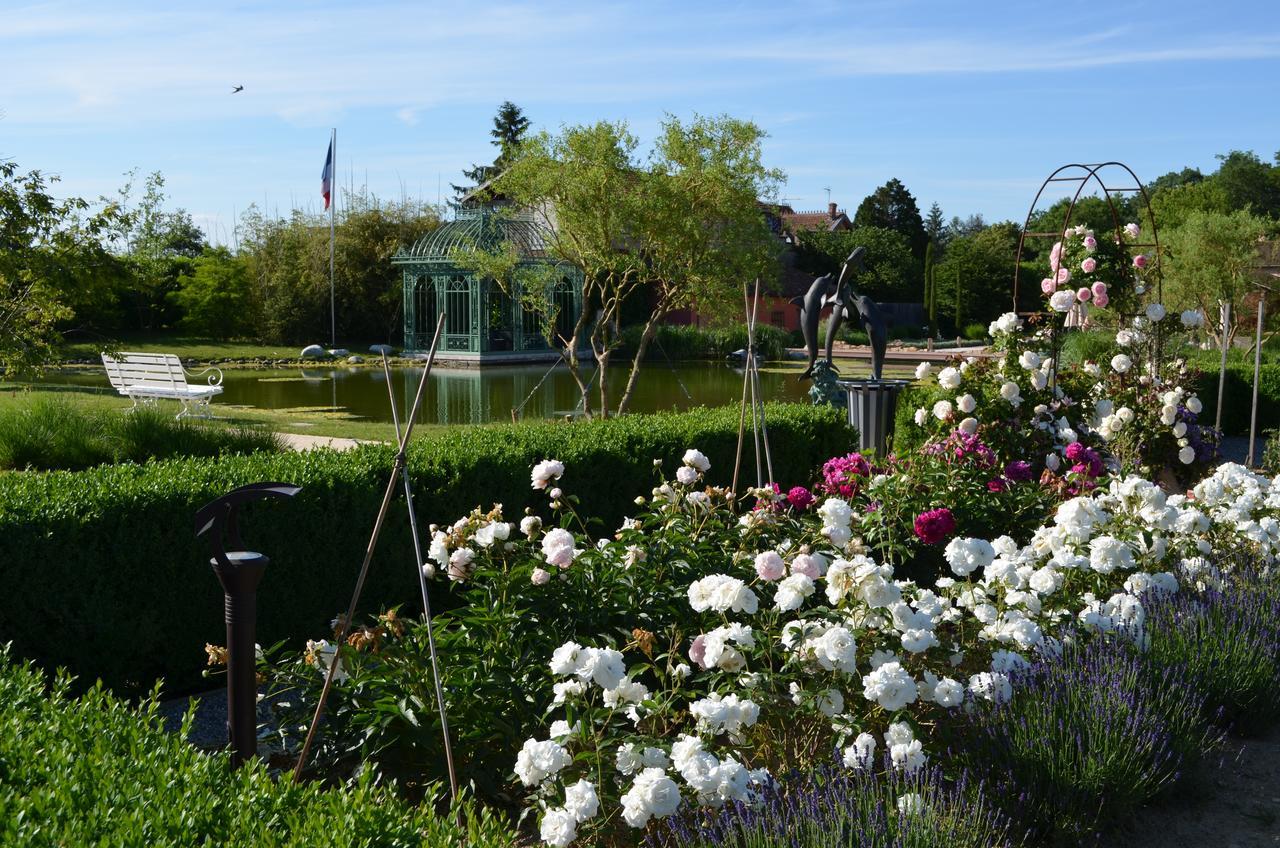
(1100, 300)
(1099, 289)
(1090, 242)
(1064, 276)
(1131, 230)
(1140, 261)
(1083, 295)
(806, 565)
(1048, 286)
(698, 651)
(1055, 255)
(770, 566)
(1089, 265)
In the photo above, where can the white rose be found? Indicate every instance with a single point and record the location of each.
(949, 378)
(1063, 300)
(697, 459)
(1187, 455)
(558, 828)
(1155, 312)
(1121, 363)
(921, 416)
(942, 409)
(969, 426)
(923, 370)
(966, 404)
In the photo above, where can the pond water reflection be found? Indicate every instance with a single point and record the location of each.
(475, 396)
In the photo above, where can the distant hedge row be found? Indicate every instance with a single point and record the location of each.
(95, 771)
(1238, 397)
(102, 572)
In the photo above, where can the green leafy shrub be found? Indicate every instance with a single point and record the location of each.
(688, 342)
(1079, 346)
(1238, 395)
(108, 559)
(97, 771)
(853, 337)
(974, 332)
(46, 433)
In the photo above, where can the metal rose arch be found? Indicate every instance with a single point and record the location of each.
(1122, 181)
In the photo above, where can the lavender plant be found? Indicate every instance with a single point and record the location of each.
(1088, 737)
(1228, 642)
(836, 808)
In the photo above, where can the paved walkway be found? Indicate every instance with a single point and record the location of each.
(894, 354)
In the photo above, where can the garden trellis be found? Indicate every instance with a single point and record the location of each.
(399, 470)
(1085, 176)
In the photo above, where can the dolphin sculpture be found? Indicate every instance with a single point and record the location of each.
(811, 313)
(863, 310)
(824, 290)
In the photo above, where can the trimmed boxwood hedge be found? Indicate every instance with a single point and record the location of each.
(96, 771)
(103, 574)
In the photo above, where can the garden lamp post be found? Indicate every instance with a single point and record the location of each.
(1263, 291)
(239, 571)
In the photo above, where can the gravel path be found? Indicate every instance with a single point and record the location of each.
(1235, 806)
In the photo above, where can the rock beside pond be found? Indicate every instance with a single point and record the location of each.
(339, 352)
(313, 352)
(355, 359)
(382, 348)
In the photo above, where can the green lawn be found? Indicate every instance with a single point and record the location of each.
(310, 421)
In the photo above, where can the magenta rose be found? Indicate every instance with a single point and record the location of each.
(997, 485)
(1101, 299)
(1019, 471)
(800, 497)
(1090, 242)
(1140, 261)
(933, 526)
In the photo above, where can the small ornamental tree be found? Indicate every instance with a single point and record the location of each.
(680, 230)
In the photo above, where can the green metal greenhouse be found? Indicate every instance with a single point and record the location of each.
(484, 324)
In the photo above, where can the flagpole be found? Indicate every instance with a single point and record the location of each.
(333, 206)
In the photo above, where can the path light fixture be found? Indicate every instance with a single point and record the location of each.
(239, 571)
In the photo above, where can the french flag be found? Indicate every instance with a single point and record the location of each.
(326, 177)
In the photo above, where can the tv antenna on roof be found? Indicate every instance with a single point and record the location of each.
(827, 189)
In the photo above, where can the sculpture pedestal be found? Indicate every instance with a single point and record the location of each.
(873, 406)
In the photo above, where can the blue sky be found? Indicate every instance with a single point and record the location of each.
(969, 104)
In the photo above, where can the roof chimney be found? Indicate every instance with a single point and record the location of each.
(831, 210)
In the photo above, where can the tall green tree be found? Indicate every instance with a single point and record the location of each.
(54, 261)
(935, 226)
(1211, 258)
(974, 280)
(287, 260)
(510, 125)
(892, 273)
(680, 229)
(892, 207)
(928, 287)
(160, 247)
(217, 300)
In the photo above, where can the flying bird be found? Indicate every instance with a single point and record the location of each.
(237, 89)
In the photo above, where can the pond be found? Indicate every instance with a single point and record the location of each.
(476, 396)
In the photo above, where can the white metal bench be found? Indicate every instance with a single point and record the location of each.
(147, 377)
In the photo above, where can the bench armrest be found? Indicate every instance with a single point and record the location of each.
(215, 375)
